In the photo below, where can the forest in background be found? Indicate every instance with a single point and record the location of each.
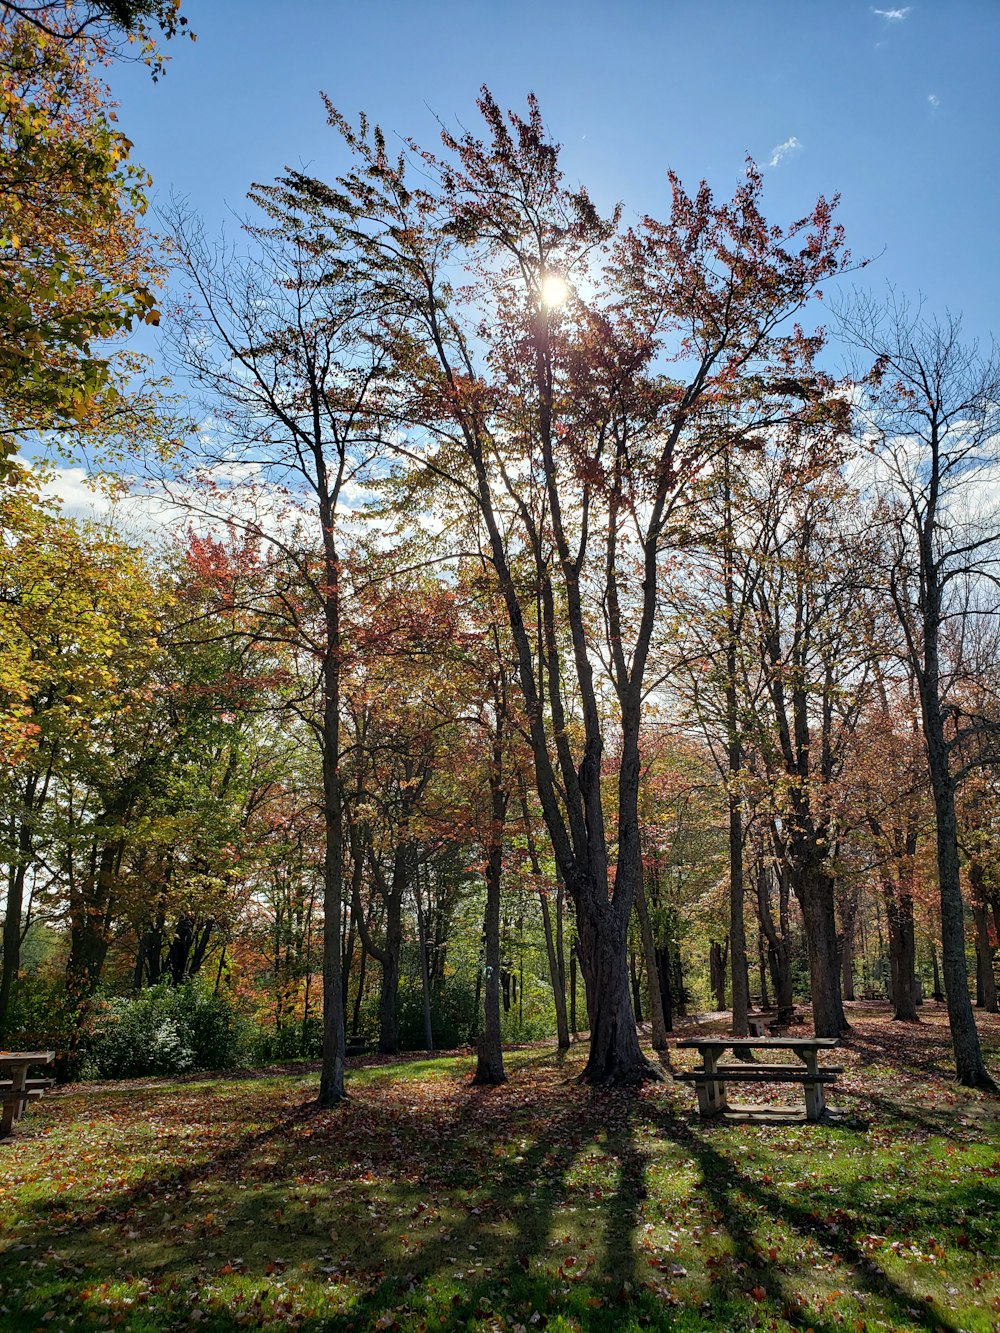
(543, 636)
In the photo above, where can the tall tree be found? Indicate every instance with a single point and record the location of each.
(275, 339)
(931, 415)
(77, 266)
(537, 393)
(78, 637)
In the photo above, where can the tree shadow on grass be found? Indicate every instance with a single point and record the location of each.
(444, 1203)
(498, 1192)
(737, 1197)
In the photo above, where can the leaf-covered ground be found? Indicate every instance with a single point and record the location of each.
(426, 1203)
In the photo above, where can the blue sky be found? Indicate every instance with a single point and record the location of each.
(895, 107)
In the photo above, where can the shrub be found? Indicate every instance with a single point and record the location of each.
(163, 1030)
(41, 1016)
(268, 1045)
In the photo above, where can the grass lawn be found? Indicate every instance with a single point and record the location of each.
(426, 1203)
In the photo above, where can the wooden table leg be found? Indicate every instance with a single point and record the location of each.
(815, 1100)
(715, 1090)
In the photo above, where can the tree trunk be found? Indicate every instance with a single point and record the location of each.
(425, 977)
(90, 914)
(815, 894)
(717, 972)
(740, 987)
(359, 995)
(34, 788)
(970, 1069)
(777, 943)
(663, 966)
(653, 985)
(636, 991)
(615, 1059)
(938, 992)
(388, 1000)
(902, 952)
(12, 937)
(331, 1081)
(849, 918)
(572, 990)
(489, 1063)
(986, 986)
(553, 943)
(765, 999)
(558, 982)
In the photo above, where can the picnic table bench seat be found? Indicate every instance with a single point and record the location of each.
(37, 1085)
(777, 1073)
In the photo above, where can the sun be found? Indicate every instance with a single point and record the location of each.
(555, 290)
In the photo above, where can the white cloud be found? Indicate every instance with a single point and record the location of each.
(782, 150)
(934, 100)
(76, 496)
(893, 15)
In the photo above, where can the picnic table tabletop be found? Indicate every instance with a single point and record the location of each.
(15, 1092)
(17, 1064)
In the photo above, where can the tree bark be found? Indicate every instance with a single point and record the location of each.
(555, 975)
(717, 972)
(388, 1000)
(848, 918)
(553, 940)
(35, 790)
(970, 1068)
(616, 1059)
(425, 981)
(12, 935)
(902, 952)
(489, 1063)
(986, 987)
(938, 992)
(815, 894)
(777, 943)
(654, 989)
(572, 990)
(331, 1082)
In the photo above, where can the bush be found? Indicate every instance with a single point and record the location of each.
(163, 1030)
(41, 1016)
(453, 1014)
(268, 1045)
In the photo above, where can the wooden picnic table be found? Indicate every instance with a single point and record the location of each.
(16, 1089)
(711, 1078)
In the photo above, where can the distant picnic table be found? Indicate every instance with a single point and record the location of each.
(711, 1078)
(16, 1088)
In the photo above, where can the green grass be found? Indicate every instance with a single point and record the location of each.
(425, 1203)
